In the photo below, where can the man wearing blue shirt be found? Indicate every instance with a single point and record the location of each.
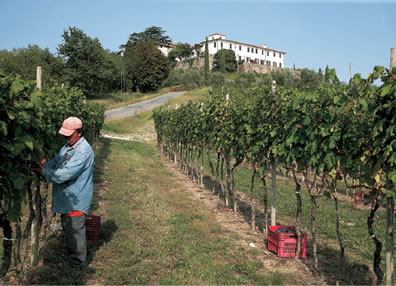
(71, 175)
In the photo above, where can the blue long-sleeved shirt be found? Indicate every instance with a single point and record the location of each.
(71, 173)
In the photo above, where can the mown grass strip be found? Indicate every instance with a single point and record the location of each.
(154, 234)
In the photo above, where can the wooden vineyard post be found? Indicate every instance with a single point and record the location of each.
(39, 73)
(202, 154)
(36, 201)
(273, 177)
(273, 192)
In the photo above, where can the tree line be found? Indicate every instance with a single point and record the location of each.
(82, 62)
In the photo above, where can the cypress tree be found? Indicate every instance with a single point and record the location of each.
(206, 65)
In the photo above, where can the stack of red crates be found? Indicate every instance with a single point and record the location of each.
(285, 244)
(92, 228)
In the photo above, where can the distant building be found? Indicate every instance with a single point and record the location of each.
(166, 48)
(121, 52)
(247, 53)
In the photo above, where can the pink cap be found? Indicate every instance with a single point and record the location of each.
(70, 125)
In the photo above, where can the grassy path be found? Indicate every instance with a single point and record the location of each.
(155, 234)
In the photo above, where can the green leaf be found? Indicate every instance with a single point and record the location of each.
(3, 128)
(17, 86)
(363, 103)
(36, 99)
(18, 182)
(29, 144)
(332, 144)
(385, 90)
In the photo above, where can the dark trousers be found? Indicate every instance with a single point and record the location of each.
(74, 235)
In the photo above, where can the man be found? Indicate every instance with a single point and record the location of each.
(71, 173)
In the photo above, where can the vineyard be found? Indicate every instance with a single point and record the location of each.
(328, 141)
(337, 136)
(29, 123)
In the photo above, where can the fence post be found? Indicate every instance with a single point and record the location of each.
(273, 177)
(39, 72)
(393, 58)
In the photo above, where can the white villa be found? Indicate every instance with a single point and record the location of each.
(245, 52)
(259, 58)
(166, 48)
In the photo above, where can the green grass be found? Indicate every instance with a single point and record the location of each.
(128, 124)
(152, 232)
(196, 95)
(165, 237)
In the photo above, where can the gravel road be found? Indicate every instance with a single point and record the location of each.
(136, 108)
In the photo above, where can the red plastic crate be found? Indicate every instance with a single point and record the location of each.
(285, 244)
(92, 228)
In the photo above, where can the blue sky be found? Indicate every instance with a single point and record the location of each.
(312, 33)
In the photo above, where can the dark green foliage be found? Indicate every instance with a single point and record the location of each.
(330, 76)
(309, 79)
(29, 124)
(245, 79)
(180, 52)
(284, 78)
(24, 61)
(153, 33)
(216, 79)
(146, 66)
(206, 64)
(197, 49)
(88, 66)
(224, 61)
(190, 79)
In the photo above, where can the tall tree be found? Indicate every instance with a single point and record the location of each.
(87, 63)
(206, 64)
(180, 52)
(146, 66)
(224, 61)
(153, 33)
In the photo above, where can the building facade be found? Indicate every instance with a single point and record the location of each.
(247, 53)
(166, 48)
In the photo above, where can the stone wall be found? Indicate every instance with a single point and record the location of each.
(245, 67)
(197, 62)
(249, 67)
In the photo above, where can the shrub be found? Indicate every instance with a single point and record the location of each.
(190, 79)
(216, 79)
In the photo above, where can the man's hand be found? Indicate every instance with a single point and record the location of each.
(41, 167)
